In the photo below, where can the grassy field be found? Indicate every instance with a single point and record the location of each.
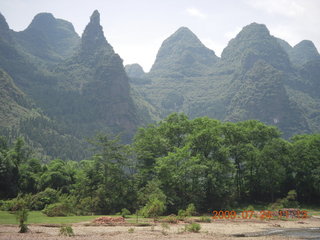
(38, 217)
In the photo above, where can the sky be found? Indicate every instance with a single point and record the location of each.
(136, 28)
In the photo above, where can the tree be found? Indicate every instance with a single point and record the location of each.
(306, 162)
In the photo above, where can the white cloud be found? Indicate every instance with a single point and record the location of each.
(194, 12)
(232, 34)
(290, 8)
(216, 46)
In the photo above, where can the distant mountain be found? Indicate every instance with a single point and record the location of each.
(183, 54)
(77, 87)
(134, 71)
(58, 89)
(258, 90)
(254, 79)
(14, 103)
(95, 86)
(254, 42)
(48, 38)
(304, 52)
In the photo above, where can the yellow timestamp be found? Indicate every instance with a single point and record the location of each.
(263, 214)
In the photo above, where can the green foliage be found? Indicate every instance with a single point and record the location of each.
(191, 210)
(250, 208)
(44, 198)
(193, 227)
(131, 230)
(65, 207)
(172, 218)
(66, 231)
(202, 161)
(205, 219)
(125, 212)
(21, 211)
(154, 208)
(288, 202)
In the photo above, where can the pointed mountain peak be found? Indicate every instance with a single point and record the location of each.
(252, 43)
(95, 17)
(4, 29)
(304, 52)
(183, 36)
(93, 37)
(254, 31)
(134, 70)
(306, 45)
(3, 23)
(42, 21)
(183, 52)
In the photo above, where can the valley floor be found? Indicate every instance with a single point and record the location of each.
(218, 229)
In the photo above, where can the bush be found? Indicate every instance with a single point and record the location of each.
(171, 219)
(21, 211)
(8, 205)
(182, 214)
(44, 198)
(250, 208)
(57, 210)
(193, 227)
(153, 208)
(85, 206)
(287, 202)
(125, 212)
(66, 231)
(205, 219)
(191, 210)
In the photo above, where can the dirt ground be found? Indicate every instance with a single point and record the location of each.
(218, 229)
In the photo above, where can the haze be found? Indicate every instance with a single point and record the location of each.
(136, 29)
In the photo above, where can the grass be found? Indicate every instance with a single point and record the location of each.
(38, 217)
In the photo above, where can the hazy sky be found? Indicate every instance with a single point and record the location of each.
(136, 28)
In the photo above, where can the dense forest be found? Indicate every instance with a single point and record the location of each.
(168, 166)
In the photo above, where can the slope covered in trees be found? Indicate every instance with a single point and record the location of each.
(78, 86)
(173, 163)
(257, 77)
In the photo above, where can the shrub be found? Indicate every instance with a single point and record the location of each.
(21, 212)
(153, 208)
(171, 219)
(8, 205)
(125, 212)
(288, 202)
(193, 227)
(56, 210)
(250, 208)
(191, 210)
(44, 198)
(205, 219)
(66, 231)
(182, 214)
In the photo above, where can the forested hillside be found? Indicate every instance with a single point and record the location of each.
(58, 89)
(75, 87)
(257, 77)
(169, 165)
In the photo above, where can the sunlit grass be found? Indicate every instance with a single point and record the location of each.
(38, 217)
